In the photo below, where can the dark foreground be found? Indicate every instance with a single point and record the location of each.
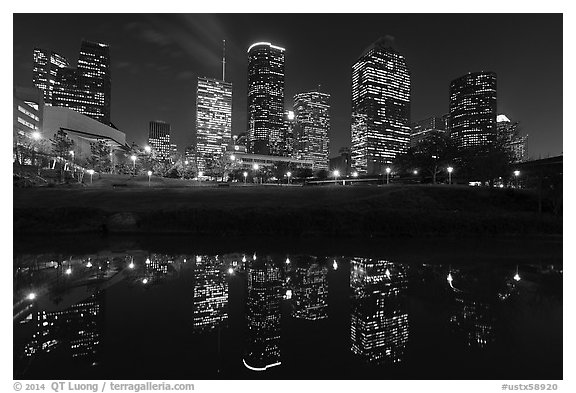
(181, 307)
(394, 210)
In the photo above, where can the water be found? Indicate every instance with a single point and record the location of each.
(252, 314)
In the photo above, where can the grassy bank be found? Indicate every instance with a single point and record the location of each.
(395, 210)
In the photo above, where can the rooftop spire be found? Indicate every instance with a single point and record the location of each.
(223, 60)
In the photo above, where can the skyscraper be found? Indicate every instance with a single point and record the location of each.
(45, 68)
(380, 107)
(311, 135)
(422, 129)
(265, 98)
(210, 293)
(473, 109)
(159, 138)
(508, 133)
(85, 89)
(213, 120)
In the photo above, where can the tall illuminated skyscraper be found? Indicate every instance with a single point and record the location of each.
(85, 89)
(380, 107)
(509, 134)
(473, 109)
(213, 120)
(45, 68)
(210, 293)
(159, 138)
(265, 98)
(311, 110)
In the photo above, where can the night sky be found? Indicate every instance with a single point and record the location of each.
(156, 59)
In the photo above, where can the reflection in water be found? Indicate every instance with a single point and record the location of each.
(309, 289)
(74, 332)
(59, 316)
(210, 293)
(379, 321)
(263, 315)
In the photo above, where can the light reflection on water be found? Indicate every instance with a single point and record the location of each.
(138, 315)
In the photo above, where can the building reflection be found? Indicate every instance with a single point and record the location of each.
(379, 321)
(309, 289)
(74, 332)
(263, 314)
(210, 293)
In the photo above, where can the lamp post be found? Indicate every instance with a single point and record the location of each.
(147, 149)
(255, 167)
(288, 174)
(149, 176)
(336, 174)
(516, 174)
(450, 169)
(91, 172)
(133, 158)
(245, 176)
(388, 170)
(354, 174)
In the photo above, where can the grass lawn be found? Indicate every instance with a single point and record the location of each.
(335, 210)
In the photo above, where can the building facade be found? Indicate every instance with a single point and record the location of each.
(159, 139)
(312, 129)
(422, 129)
(265, 99)
(210, 293)
(473, 109)
(509, 134)
(46, 64)
(28, 113)
(213, 121)
(85, 89)
(380, 108)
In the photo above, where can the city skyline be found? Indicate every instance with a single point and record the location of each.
(430, 80)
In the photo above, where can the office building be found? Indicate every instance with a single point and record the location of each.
(473, 109)
(46, 64)
(509, 134)
(213, 121)
(380, 108)
(85, 89)
(310, 290)
(422, 129)
(265, 99)
(159, 139)
(288, 139)
(311, 133)
(28, 112)
(379, 324)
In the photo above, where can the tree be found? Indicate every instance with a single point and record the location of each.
(430, 156)
(61, 147)
(99, 159)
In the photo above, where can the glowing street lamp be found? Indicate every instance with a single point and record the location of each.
(145, 281)
(131, 265)
(133, 158)
(230, 271)
(232, 157)
(245, 176)
(288, 174)
(517, 276)
(91, 172)
(415, 171)
(450, 169)
(147, 149)
(256, 167)
(36, 135)
(69, 271)
(335, 265)
(354, 174)
(31, 296)
(388, 170)
(336, 174)
(186, 162)
(516, 174)
(149, 176)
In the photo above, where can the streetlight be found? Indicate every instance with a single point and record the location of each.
(147, 149)
(288, 174)
(517, 276)
(91, 172)
(354, 174)
(36, 135)
(232, 157)
(415, 172)
(516, 174)
(245, 176)
(133, 158)
(255, 167)
(186, 162)
(31, 296)
(450, 169)
(388, 170)
(336, 174)
(149, 175)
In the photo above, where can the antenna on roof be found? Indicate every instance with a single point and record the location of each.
(223, 60)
